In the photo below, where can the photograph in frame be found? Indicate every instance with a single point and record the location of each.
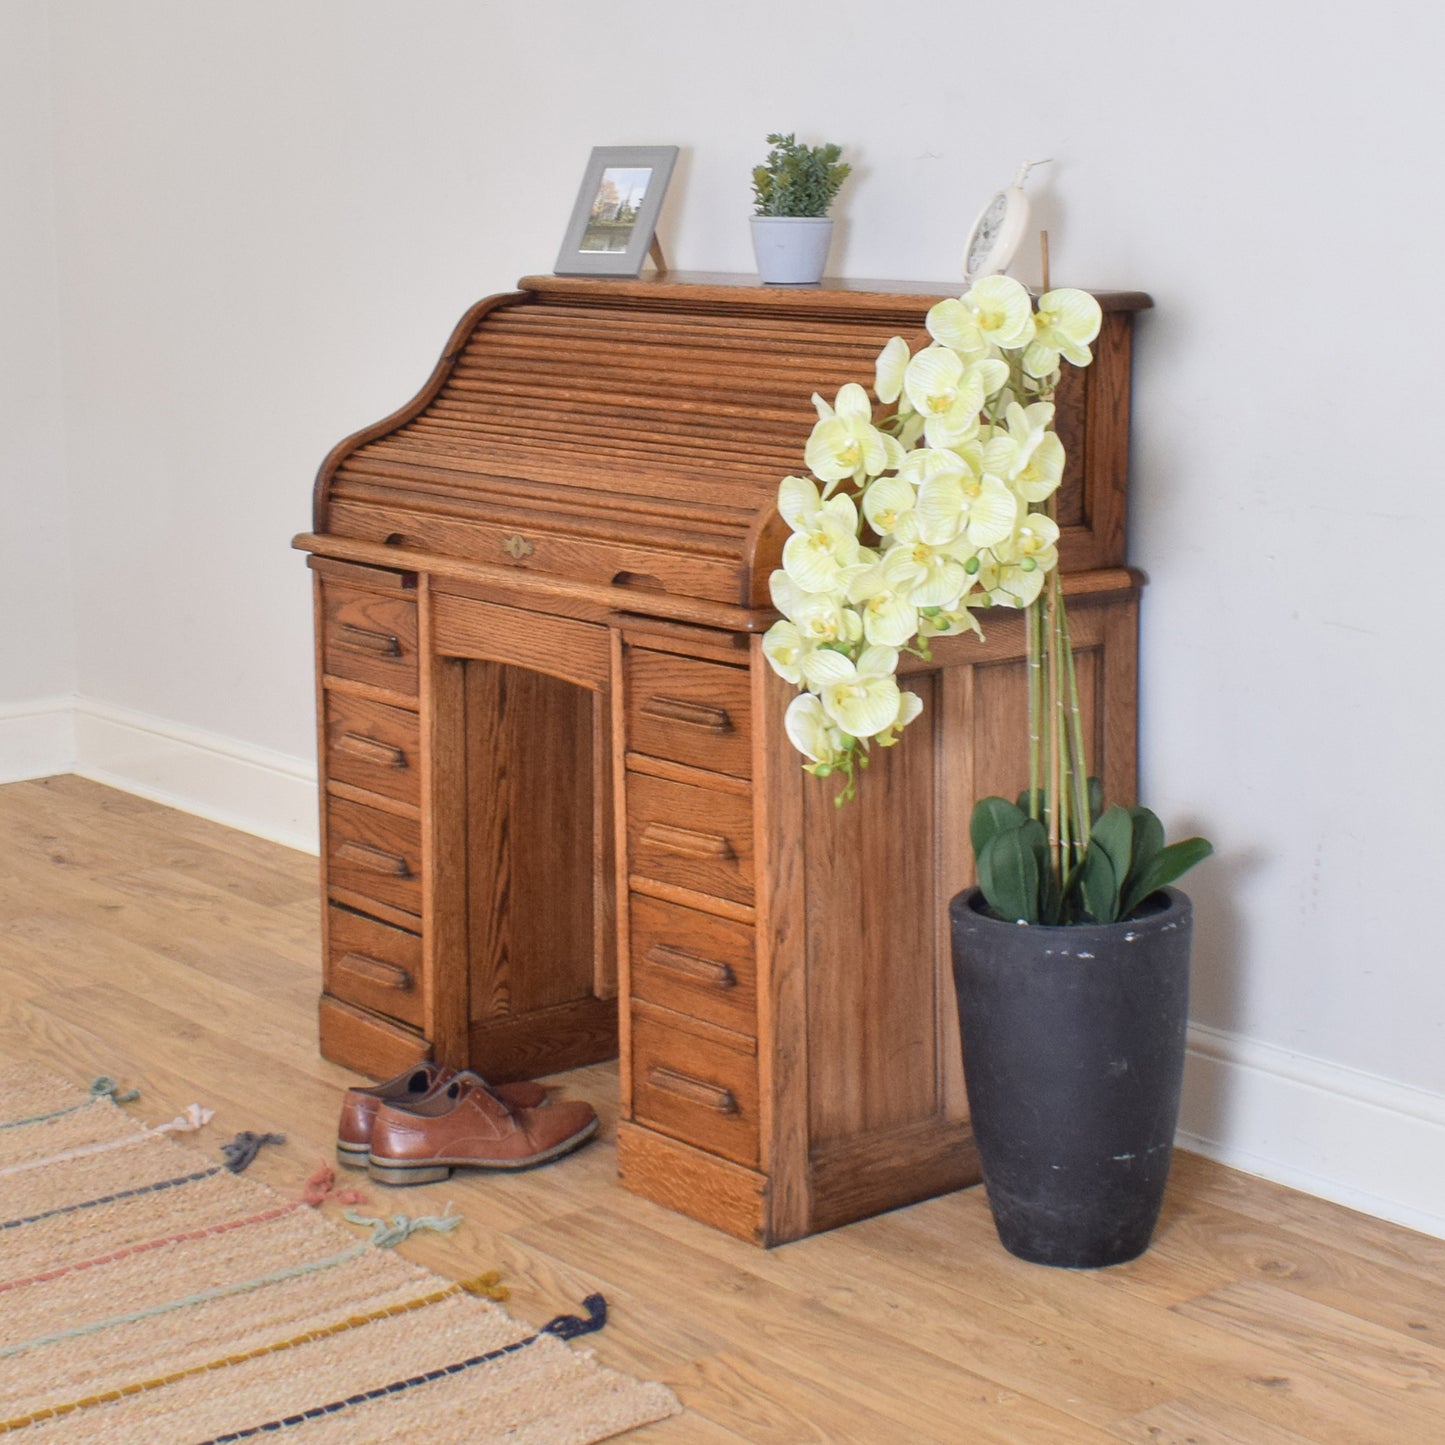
(615, 215)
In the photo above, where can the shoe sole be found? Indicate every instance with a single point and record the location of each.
(430, 1171)
(352, 1156)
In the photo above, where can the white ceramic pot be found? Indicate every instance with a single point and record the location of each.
(792, 250)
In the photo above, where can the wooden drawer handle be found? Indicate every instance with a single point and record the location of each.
(362, 639)
(690, 714)
(376, 970)
(374, 860)
(694, 1091)
(371, 750)
(702, 970)
(691, 844)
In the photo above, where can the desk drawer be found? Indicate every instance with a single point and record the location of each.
(698, 1090)
(374, 854)
(369, 637)
(374, 965)
(686, 711)
(691, 837)
(694, 963)
(372, 746)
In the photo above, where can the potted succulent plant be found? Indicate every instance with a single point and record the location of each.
(1071, 956)
(792, 191)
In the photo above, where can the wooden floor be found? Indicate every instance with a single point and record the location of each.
(180, 956)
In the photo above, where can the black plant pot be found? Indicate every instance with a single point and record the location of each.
(1073, 1050)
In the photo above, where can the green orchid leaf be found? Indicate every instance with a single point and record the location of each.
(1099, 884)
(1167, 865)
(1008, 873)
(1147, 843)
(1113, 834)
(992, 816)
(1033, 835)
(1023, 805)
(1148, 837)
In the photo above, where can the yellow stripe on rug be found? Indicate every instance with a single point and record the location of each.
(148, 1295)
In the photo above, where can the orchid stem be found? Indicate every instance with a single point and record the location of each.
(1034, 635)
(1078, 757)
(1056, 740)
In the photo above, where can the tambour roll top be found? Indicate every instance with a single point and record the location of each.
(631, 434)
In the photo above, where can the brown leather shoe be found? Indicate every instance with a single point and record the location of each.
(468, 1126)
(358, 1108)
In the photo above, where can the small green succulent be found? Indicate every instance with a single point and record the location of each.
(798, 180)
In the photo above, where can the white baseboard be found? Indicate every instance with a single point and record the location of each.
(37, 738)
(257, 790)
(1351, 1137)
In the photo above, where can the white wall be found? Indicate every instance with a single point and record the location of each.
(270, 215)
(37, 631)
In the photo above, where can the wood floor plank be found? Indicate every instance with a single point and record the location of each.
(1266, 1376)
(1209, 1247)
(803, 1335)
(733, 1388)
(182, 957)
(1340, 1343)
(78, 824)
(1202, 1421)
(1056, 1365)
(1292, 1212)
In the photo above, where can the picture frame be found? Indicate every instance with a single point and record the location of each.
(615, 215)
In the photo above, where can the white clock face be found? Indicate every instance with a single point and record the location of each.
(987, 232)
(996, 234)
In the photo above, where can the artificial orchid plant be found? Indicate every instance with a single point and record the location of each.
(916, 518)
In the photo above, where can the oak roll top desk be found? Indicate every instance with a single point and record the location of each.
(561, 821)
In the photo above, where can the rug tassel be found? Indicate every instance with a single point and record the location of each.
(241, 1150)
(321, 1186)
(106, 1088)
(489, 1284)
(195, 1117)
(385, 1236)
(568, 1327)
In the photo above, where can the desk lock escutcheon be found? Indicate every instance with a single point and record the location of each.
(517, 547)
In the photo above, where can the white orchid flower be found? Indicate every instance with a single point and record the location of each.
(1036, 536)
(888, 505)
(952, 324)
(845, 443)
(910, 705)
(1016, 576)
(861, 698)
(943, 575)
(812, 732)
(949, 621)
(948, 392)
(851, 400)
(884, 590)
(816, 558)
(785, 648)
(889, 368)
(1068, 320)
(995, 312)
(1028, 456)
(802, 506)
(1002, 311)
(1040, 478)
(819, 617)
(979, 510)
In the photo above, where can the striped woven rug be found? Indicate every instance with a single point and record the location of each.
(149, 1295)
